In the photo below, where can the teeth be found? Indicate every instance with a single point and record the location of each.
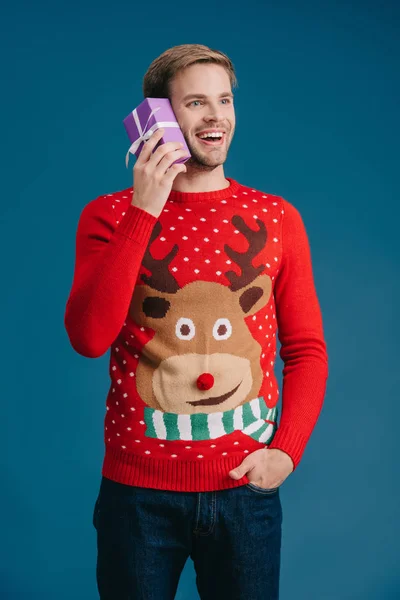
(213, 135)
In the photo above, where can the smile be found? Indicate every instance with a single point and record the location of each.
(214, 400)
(212, 142)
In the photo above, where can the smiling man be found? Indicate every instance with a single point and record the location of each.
(207, 122)
(189, 277)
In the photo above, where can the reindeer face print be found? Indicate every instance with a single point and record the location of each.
(202, 357)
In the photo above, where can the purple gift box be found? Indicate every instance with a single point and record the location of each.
(145, 119)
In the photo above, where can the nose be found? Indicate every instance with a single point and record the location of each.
(205, 381)
(215, 112)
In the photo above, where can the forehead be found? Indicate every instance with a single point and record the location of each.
(204, 79)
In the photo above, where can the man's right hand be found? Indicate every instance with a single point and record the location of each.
(153, 174)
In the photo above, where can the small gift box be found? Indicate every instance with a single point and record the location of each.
(145, 119)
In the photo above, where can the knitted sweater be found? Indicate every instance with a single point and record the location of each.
(189, 305)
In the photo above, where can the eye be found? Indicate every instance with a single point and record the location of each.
(185, 329)
(194, 102)
(222, 329)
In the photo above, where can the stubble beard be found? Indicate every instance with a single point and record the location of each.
(209, 159)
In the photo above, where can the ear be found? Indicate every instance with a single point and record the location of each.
(148, 303)
(255, 295)
(155, 307)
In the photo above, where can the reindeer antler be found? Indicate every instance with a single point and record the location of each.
(257, 241)
(161, 278)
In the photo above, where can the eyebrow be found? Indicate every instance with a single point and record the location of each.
(223, 95)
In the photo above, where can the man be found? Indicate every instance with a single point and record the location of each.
(187, 276)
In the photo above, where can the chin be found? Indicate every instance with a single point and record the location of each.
(205, 161)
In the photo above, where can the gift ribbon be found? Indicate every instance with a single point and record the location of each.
(145, 133)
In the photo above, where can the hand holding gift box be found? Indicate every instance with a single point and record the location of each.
(145, 119)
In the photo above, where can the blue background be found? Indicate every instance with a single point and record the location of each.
(317, 122)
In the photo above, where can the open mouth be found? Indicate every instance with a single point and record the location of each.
(214, 400)
(212, 140)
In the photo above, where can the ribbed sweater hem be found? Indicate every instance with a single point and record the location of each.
(167, 474)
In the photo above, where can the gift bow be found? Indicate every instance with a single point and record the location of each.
(145, 133)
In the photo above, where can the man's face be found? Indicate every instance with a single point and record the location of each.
(202, 100)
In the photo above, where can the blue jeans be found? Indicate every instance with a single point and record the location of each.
(145, 535)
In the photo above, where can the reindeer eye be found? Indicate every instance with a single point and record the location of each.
(185, 329)
(222, 329)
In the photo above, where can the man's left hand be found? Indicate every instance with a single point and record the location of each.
(267, 468)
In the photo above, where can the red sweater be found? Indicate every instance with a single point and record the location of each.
(190, 304)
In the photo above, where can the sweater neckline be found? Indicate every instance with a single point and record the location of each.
(225, 193)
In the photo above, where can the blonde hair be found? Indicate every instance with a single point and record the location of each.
(156, 82)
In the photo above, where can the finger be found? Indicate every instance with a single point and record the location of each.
(169, 159)
(163, 152)
(149, 146)
(173, 171)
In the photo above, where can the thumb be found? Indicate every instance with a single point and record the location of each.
(242, 469)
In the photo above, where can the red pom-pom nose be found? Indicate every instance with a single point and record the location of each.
(205, 381)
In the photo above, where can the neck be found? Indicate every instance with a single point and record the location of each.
(200, 180)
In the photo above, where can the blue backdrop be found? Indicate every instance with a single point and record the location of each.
(318, 123)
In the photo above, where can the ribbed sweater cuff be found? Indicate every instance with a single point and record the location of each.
(290, 441)
(137, 224)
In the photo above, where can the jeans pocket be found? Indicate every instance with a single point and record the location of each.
(261, 490)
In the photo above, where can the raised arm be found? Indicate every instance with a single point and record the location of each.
(107, 264)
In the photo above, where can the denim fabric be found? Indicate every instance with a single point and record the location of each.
(145, 536)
